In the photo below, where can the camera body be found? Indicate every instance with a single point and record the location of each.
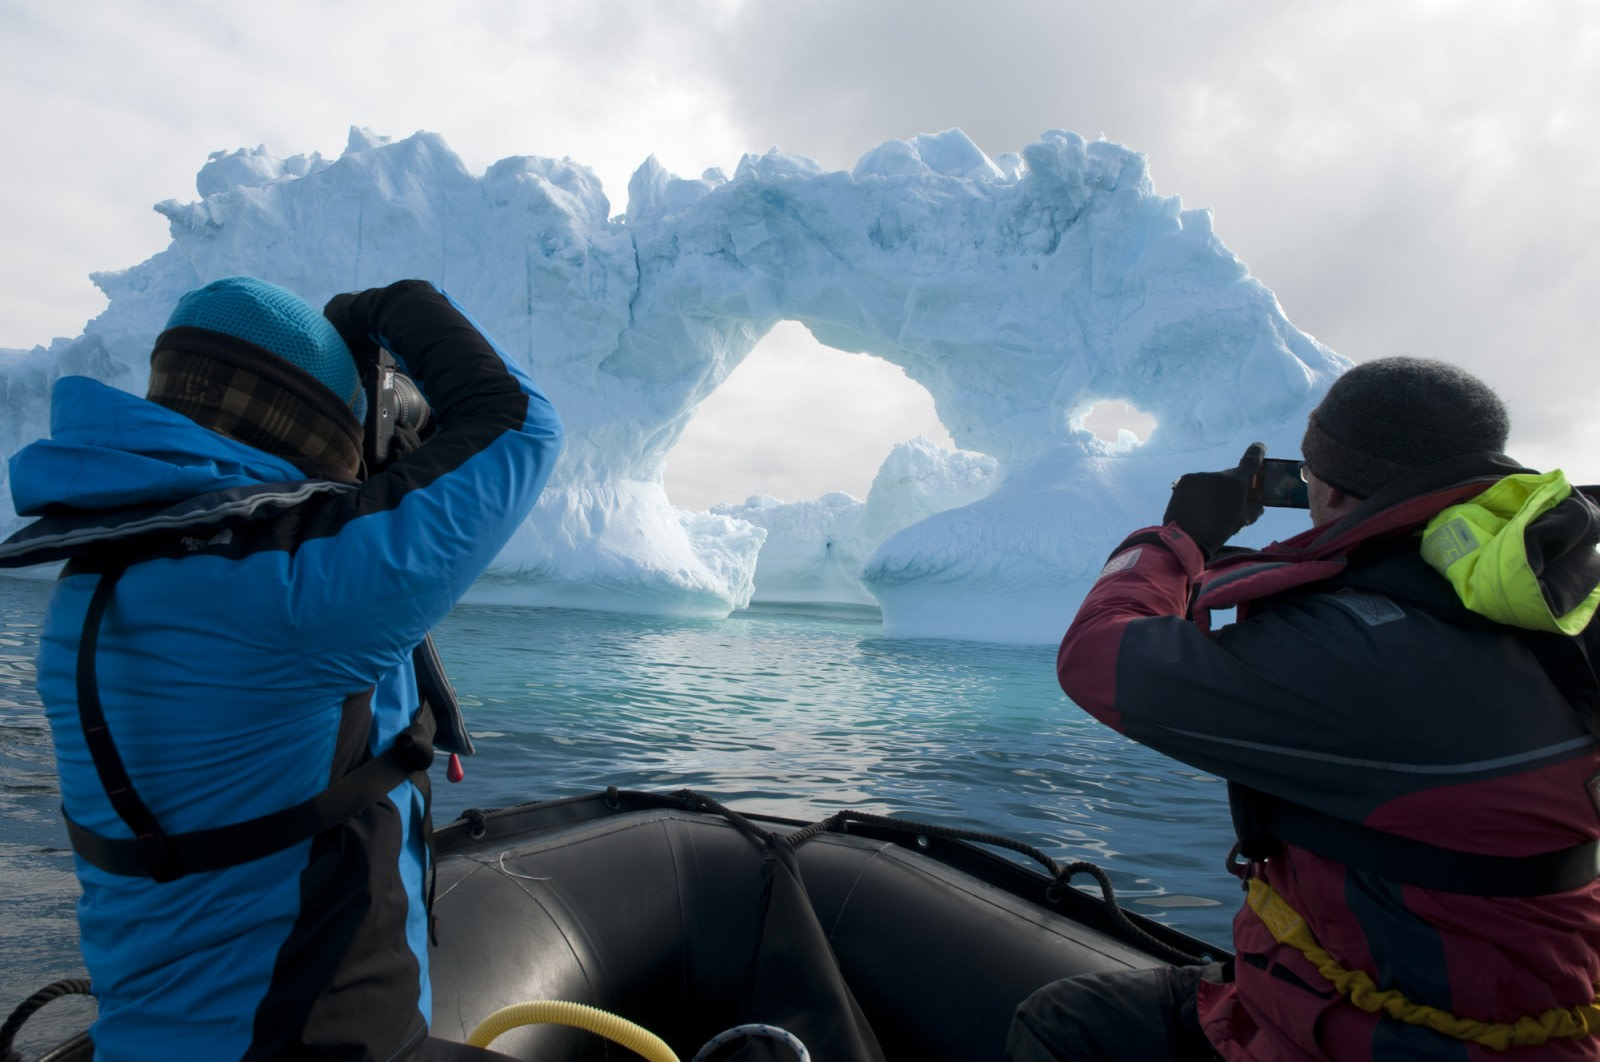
(394, 406)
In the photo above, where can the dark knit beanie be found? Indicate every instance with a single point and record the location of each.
(257, 363)
(1386, 417)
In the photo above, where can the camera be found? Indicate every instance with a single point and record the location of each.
(394, 406)
(398, 419)
(1281, 484)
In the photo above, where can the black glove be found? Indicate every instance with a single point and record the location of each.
(405, 440)
(348, 314)
(1211, 507)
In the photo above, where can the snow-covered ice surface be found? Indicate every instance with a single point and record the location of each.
(1019, 291)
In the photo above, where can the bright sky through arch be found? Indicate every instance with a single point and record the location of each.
(797, 412)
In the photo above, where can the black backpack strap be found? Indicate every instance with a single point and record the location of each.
(152, 853)
(1263, 822)
(148, 840)
(165, 857)
(1251, 810)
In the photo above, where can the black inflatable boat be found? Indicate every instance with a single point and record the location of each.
(860, 936)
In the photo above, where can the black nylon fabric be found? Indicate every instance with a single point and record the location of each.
(796, 984)
(1561, 551)
(342, 938)
(1296, 683)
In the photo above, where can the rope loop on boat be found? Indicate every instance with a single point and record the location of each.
(68, 986)
(700, 802)
(1132, 932)
(838, 818)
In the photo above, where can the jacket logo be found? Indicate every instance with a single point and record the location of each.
(1121, 562)
(1448, 543)
(1372, 609)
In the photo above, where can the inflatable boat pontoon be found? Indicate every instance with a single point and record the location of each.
(861, 936)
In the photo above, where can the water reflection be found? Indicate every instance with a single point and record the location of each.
(820, 713)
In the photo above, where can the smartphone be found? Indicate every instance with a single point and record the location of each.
(1279, 485)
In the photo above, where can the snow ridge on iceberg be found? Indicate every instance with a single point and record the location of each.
(1018, 291)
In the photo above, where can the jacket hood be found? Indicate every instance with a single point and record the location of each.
(1521, 553)
(109, 449)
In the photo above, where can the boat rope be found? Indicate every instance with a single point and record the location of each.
(745, 1032)
(931, 829)
(700, 802)
(1155, 946)
(1062, 874)
(69, 986)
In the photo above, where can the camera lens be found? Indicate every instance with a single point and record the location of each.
(410, 408)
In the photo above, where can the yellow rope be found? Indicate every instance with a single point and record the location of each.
(1289, 928)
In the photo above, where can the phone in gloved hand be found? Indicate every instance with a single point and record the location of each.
(1280, 484)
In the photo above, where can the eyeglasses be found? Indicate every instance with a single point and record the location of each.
(1305, 473)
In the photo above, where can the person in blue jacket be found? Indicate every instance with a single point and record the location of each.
(227, 660)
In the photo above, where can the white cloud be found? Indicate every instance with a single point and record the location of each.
(1410, 176)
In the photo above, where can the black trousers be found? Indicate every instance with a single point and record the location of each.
(1126, 1017)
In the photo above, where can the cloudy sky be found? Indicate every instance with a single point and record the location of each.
(1409, 176)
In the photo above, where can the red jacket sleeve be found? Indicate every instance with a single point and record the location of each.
(1149, 575)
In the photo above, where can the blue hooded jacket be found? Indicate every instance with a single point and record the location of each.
(245, 666)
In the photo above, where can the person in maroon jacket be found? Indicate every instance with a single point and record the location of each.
(1405, 714)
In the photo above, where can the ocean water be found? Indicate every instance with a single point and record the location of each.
(797, 715)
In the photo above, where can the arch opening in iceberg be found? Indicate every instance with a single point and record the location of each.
(1015, 291)
(800, 413)
(1116, 421)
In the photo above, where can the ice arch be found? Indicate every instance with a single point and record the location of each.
(1018, 291)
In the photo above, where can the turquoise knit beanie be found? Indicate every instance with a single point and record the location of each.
(279, 321)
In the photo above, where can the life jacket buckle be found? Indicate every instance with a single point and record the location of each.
(161, 858)
(1239, 866)
(415, 752)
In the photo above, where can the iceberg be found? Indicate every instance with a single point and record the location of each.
(1021, 292)
(815, 550)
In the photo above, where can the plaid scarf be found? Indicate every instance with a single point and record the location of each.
(247, 393)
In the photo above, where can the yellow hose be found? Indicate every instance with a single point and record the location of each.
(616, 1029)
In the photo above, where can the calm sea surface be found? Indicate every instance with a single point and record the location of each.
(794, 715)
